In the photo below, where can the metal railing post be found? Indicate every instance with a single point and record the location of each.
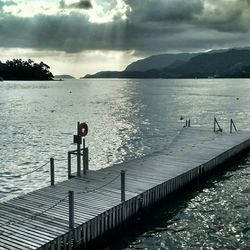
(71, 209)
(232, 125)
(216, 123)
(122, 185)
(52, 172)
(84, 157)
(69, 165)
(87, 158)
(78, 152)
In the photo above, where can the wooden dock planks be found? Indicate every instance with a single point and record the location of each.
(40, 220)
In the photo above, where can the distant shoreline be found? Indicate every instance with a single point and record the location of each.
(161, 78)
(231, 63)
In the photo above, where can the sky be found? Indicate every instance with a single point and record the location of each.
(86, 36)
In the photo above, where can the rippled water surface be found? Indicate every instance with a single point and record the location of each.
(128, 119)
(215, 216)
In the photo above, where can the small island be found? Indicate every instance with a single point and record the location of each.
(17, 69)
(64, 77)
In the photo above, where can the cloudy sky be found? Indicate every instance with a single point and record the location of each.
(80, 37)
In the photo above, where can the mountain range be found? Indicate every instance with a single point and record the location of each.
(230, 63)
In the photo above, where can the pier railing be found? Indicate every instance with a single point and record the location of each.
(232, 125)
(216, 124)
(138, 191)
(187, 124)
(70, 196)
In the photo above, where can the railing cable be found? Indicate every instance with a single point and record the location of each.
(98, 188)
(34, 170)
(28, 173)
(32, 217)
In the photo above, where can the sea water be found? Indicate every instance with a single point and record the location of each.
(128, 119)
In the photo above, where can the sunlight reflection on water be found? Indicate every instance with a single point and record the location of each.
(127, 119)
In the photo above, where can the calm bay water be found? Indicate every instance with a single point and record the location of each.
(128, 119)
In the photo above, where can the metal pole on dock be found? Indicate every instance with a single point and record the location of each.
(122, 185)
(78, 152)
(214, 124)
(71, 209)
(69, 165)
(232, 125)
(52, 172)
(87, 158)
(84, 157)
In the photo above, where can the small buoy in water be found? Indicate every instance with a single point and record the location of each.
(70, 91)
(237, 98)
(181, 118)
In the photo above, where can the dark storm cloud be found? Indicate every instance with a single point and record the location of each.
(152, 26)
(232, 17)
(232, 21)
(73, 33)
(84, 4)
(70, 33)
(223, 16)
(164, 10)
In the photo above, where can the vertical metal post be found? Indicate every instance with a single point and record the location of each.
(69, 165)
(87, 158)
(84, 157)
(214, 123)
(78, 152)
(71, 209)
(83, 143)
(188, 123)
(122, 185)
(231, 126)
(52, 172)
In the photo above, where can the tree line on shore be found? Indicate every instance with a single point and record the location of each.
(17, 69)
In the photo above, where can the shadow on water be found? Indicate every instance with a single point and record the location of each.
(157, 219)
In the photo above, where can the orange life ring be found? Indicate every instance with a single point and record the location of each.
(83, 129)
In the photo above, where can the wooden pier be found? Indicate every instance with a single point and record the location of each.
(103, 200)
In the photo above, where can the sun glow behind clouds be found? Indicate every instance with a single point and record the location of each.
(25, 8)
(101, 33)
(80, 63)
(103, 11)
